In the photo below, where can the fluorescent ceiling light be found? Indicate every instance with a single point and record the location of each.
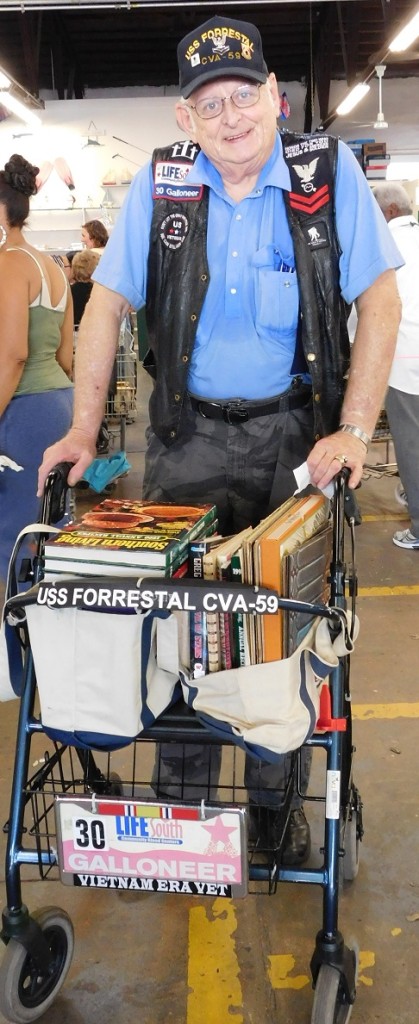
(408, 34)
(4, 80)
(18, 108)
(353, 98)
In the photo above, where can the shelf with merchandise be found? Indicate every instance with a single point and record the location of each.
(56, 229)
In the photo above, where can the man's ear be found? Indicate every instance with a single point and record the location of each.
(185, 120)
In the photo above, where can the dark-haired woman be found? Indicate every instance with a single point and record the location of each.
(94, 235)
(36, 348)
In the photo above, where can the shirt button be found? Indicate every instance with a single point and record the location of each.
(258, 192)
(233, 291)
(234, 253)
(238, 216)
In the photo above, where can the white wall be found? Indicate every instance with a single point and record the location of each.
(148, 119)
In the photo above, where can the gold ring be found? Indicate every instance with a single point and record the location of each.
(341, 458)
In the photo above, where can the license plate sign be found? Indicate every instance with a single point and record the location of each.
(115, 844)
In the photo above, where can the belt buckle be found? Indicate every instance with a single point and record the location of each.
(235, 414)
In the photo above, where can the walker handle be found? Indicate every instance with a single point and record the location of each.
(56, 486)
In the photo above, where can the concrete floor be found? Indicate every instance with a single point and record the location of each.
(186, 960)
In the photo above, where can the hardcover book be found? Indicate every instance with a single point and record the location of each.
(141, 535)
(198, 634)
(306, 578)
(302, 521)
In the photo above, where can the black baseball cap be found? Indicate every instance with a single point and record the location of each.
(221, 47)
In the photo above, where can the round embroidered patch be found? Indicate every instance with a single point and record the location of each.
(173, 230)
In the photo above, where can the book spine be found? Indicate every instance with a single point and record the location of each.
(198, 644)
(225, 624)
(239, 629)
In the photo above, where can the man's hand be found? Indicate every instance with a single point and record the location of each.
(331, 453)
(75, 447)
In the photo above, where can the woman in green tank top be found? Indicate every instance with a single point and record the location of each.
(36, 352)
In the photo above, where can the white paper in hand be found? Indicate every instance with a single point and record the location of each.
(302, 479)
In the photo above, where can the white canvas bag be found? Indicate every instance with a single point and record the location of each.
(11, 652)
(102, 677)
(272, 708)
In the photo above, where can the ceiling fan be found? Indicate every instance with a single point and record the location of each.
(380, 121)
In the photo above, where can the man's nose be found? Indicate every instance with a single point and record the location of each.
(231, 113)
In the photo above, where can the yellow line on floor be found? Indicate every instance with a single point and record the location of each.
(383, 517)
(403, 710)
(409, 590)
(215, 994)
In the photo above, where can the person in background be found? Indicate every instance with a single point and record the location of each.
(246, 317)
(402, 401)
(94, 235)
(63, 262)
(36, 350)
(83, 265)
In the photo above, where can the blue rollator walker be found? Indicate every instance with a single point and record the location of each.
(90, 787)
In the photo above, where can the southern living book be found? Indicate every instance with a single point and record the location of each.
(306, 578)
(139, 534)
(302, 521)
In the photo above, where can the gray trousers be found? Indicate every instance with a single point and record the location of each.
(403, 417)
(247, 471)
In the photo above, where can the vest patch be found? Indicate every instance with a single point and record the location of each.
(173, 230)
(169, 181)
(317, 235)
(310, 204)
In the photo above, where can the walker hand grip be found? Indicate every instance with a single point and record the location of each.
(56, 487)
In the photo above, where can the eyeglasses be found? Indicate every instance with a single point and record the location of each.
(212, 106)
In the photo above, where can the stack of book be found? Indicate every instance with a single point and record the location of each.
(375, 160)
(127, 538)
(289, 552)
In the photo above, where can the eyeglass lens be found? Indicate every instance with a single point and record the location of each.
(211, 106)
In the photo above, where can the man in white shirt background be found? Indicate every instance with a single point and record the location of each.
(402, 402)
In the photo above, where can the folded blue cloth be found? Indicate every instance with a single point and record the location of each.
(102, 471)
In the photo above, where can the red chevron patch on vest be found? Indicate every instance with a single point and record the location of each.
(312, 203)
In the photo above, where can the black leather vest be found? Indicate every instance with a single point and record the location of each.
(178, 278)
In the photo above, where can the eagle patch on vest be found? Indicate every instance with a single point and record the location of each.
(173, 230)
(316, 235)
(308, 166)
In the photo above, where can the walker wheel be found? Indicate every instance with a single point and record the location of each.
(25, 993)
(327, 1008)
(352, 839)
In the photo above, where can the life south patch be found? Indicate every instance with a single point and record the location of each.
(169, 182)
(316, 235)
(173, 230)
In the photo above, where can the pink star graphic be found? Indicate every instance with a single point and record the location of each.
(220, 833)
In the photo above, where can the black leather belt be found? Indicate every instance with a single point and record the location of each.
(236, 412)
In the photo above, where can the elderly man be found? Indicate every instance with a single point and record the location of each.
(245, 245)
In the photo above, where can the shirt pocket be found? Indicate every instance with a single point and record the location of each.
(277, 298)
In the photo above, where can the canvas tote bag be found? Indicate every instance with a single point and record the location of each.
(103, 677)
(11, 651)
(271, 709)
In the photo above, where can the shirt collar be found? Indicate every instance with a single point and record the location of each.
(275, 172)
(399, 222)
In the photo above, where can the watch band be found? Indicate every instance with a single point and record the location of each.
(349, 428)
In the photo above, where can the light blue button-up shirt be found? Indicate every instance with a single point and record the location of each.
(246, 334)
